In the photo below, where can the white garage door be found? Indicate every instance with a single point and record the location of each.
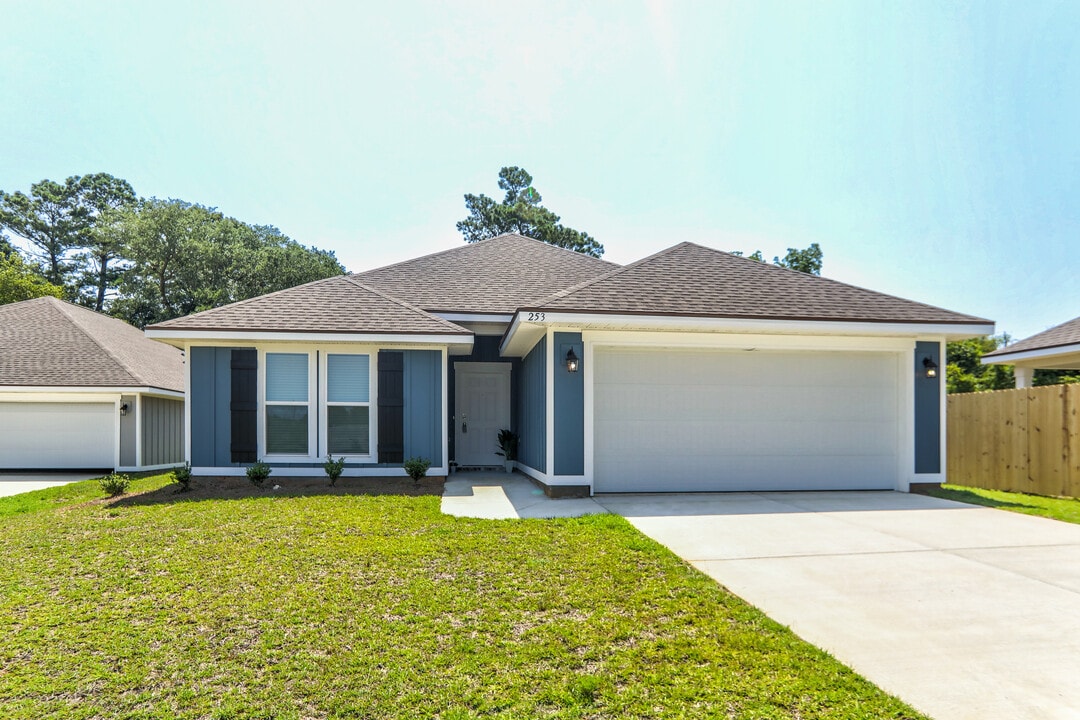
(57, 435)
(681, 420)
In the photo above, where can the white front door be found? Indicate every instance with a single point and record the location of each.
(481, 409)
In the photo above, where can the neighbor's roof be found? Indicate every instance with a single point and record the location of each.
(1067, 333)
(48, 342)
(341, 304)
(498, 275)
(691, 280)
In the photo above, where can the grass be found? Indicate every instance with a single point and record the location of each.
(355, 606)
(1066, 509)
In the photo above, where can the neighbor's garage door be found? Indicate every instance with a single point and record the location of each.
(703, 420)
(57, 435)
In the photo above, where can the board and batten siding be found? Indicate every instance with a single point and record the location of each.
(128, 432)
(209, 395)
(423, 405)
(163, 431)
(532, 408)
(569, 407)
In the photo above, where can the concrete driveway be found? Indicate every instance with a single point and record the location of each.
(16, 483)
(962, 611)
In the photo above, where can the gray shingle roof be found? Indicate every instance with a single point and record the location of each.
(1067, 333)
(691, 280)
(341, 304)
(48, 342)
(498, 275)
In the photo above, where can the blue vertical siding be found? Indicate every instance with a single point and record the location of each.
(928, 409)
(210, 394)
(532, 408)
(569, 407)
(423, 405)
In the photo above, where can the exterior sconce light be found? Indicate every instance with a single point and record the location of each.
(930, 366)
(123, 408)
(572, 361)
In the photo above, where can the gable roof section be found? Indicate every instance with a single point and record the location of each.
(498, 275)
(341, 305)
(48, 342)
(1059, 336)
(690, 280)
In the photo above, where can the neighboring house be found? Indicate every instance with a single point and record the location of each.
(1055, 349)
(81, 390)
(692, 369)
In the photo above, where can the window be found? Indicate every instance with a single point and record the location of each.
(287, 404)
(348, 405)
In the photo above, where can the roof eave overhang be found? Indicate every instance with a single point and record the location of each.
(180, 338)
(1060, 357)
(529, 325)
(91, 389)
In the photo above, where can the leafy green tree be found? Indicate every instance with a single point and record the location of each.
(50, 218)
(964, 371)
(6, 248)
(521, 212)
(102, 198)
(21, 281)
(807, 260)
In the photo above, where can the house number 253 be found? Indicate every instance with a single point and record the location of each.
(536, 317)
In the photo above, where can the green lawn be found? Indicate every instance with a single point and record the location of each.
(355, 606)
(1067, 509)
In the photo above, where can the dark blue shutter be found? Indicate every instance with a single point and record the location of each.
(391, 406)
(244, 404)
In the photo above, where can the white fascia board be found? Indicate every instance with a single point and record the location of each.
(476, 317)
(1008, 358)
(666, 323)
(87, 390)
(196, 336)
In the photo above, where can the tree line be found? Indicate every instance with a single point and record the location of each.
(93, 241)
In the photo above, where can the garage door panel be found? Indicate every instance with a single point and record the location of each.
(57, 435)
(709, 420)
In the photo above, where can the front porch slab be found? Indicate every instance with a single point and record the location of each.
(502, 496)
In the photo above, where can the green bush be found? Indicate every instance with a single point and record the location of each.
(182, 475)
(417, 468)
(334, 468)
(114, 484)
(258, 472)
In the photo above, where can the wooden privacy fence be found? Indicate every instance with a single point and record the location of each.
(1026, 440)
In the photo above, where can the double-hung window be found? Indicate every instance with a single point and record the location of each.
(287, 404)
(348, 405)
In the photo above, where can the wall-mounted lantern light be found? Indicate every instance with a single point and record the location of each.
(930, 366)
(123, 408)
(572, 361)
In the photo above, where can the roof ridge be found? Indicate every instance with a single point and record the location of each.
(801, 274)
(621, 268)
(408, 306)
(252, 299)
(63, 305)
(467, 245)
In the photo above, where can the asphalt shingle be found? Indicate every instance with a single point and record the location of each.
(1067, 333)
(696, 281)
(48, 342)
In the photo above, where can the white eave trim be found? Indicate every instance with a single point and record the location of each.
(476, 317)
(667, 323)
(1008, 358)
(89, 389)
(175, 336)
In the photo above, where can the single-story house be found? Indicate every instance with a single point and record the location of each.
(81, 390)
(689, 370)
(1055, 349)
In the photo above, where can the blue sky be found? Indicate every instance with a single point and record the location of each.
(932, 149)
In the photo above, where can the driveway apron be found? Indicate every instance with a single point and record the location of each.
(962, 611)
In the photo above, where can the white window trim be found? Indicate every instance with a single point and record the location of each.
(325, 404)
(263, 404)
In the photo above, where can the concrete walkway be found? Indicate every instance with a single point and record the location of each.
(964, 612)
(15, 484)
(502, 496)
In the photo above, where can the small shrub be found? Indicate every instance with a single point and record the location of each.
(182, 475)
(258, 472)
(114, 484)
(334, 468)
(417, 468)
